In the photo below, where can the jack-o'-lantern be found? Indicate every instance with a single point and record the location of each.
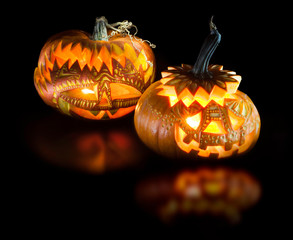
(219, 192)
(98, 76)
(197, 112)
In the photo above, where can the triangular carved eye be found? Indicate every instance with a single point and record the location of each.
(194, 120)
(236, 121)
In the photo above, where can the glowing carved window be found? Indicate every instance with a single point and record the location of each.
(201, 96)
(194, 121)
(215, 127)
(236, 121)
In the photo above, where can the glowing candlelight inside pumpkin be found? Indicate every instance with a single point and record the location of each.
(87, 91)
(194, 121)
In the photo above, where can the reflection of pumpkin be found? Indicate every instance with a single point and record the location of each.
(85, 146)
(95, 77)
(198, 111)
(216, 192)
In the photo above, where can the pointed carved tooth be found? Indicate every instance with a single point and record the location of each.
(87, 104)
(166, 74)
(95, 112)
(77, 82)
(60, 87)
(83, 81)
(73, 83)
(57, 88)
(75, 101)
(68, 83)
(64, 106)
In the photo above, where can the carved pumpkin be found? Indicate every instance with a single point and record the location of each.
(197, 111)
(97, 76)
(216, 192)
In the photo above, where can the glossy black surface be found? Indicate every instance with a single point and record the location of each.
(51, 190)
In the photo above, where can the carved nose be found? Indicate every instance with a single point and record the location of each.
(103, 93)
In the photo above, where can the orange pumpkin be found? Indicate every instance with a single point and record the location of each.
(197, 112)
(97, 76)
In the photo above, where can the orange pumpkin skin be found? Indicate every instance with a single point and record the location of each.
(197, 112)
(94, 79)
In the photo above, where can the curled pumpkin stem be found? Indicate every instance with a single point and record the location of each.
(200, 68)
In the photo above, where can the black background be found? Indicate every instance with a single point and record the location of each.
(46, 198)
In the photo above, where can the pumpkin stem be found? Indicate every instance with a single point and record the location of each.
(100, 29)
(200, 68)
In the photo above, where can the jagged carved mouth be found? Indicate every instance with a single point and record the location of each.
(97, 96)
